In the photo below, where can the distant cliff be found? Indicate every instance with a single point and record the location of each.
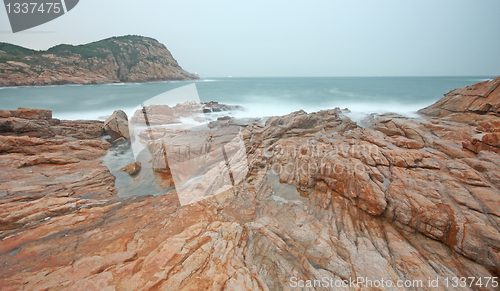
(117, 59)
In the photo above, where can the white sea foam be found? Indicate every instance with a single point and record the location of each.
(119, 84)
(206, 80)
(261, 97)
(358, 111)
(88, 115)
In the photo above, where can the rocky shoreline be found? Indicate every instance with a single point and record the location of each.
(130, 58)
(391, 198)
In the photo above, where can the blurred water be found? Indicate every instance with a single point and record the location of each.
(261, 96)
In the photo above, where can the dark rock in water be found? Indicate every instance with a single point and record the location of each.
(224, 118)
(132, 168)
(117, 125)
(165, 114)
(214, 106)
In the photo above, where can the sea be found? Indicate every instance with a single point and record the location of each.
(260, 97)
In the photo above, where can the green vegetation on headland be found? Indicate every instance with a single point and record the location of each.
(12, 52)
(129, 58)
(99, 49)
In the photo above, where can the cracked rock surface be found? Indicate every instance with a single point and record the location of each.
(396, 199)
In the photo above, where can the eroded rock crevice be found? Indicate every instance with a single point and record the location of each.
(399, 199)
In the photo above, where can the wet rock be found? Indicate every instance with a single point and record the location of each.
(132, 168)
(164, 114)
(224, 118)
(214, 106)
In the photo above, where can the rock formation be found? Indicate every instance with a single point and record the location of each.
(481, 98)
(164, 114)
(132, 168)
(477, 105)
(116, 125)
(117, 59)
(49, 167)
(398, 199)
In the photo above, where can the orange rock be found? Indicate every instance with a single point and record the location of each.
(482, 98)
(30, 113)
(132, 168)
(117, 125)
(398, 201)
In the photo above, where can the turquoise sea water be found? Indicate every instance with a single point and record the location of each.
(261, 96)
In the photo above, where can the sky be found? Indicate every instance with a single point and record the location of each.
(277, 38)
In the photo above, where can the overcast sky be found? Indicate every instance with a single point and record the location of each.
(293, 38)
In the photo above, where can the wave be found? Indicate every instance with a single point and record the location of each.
(480, 80)
(119, 84)
(357, 110)
(100, 114)
(262, 97)
(335, 91)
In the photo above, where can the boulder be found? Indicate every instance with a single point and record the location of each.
(117, 125)
(132, 168)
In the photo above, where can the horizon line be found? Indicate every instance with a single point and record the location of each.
(362, 76)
